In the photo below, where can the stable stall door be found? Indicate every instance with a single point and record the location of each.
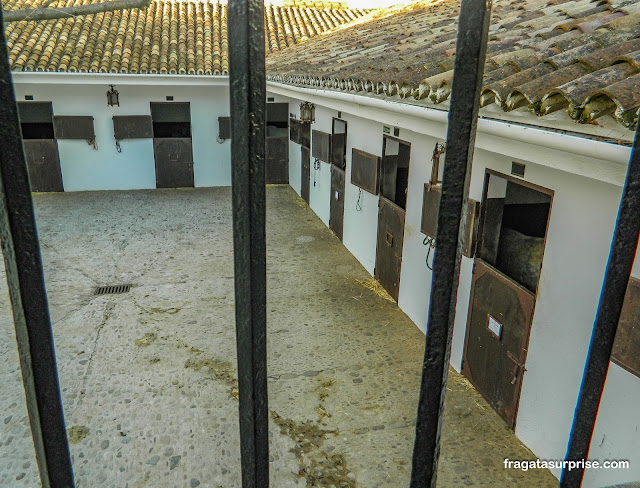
(338, 164)
(40, 146)
(391, 213)
(172, 145)
(505, 279)
(305, 174)
(336, 211)
(277, 152)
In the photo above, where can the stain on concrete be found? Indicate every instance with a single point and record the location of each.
(77, 434)
(170, 311)
(317, 466)
(145, 341)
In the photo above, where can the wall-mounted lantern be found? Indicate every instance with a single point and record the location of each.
(307, 112)
(113, 97)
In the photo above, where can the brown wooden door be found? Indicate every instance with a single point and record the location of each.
(305, 174)
(174, 162)
(43, 164)
(389, 247)
(277, 169)
(336, 211)
(497, 338)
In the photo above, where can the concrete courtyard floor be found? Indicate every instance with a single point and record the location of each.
(149, 377)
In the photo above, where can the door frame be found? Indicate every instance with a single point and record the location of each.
(547, 191)
(381, 166)
(346, 134)
(155, 138)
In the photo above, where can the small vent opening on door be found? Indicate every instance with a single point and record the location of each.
(111, 289)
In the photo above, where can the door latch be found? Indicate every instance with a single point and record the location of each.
(518, 368)
(389, 238)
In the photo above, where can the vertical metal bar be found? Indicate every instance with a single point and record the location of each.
(616, 279)
(247, 86)
(25, 280)
(473, 28)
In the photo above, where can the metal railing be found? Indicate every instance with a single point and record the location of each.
(248, 91)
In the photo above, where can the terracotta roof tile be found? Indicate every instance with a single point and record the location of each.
(169, 36)
(579, 56)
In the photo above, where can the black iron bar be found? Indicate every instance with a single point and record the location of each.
(616, 279)
(25, 279)
(247, 86)
(473, 28)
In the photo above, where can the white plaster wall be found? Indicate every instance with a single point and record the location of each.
(84, 168)
(617, 431)
(415, 277)
(320, 184)
(361, 226)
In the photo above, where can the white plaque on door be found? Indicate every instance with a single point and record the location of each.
(494, 327)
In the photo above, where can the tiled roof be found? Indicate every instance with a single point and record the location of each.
(579, 56)
(179, 37)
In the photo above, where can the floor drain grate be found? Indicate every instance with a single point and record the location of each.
(111, 289)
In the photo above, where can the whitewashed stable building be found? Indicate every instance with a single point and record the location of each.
(357, 120)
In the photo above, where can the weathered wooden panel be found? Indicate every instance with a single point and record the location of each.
(365, 171)
(321, 146)
(277, 169)
(224, 128)
(430, 209)
(305, 174)
(35, 112)
(277, 112)
(43, 164)
(497, 338)
(339, 143)
(626, 348)
(171, 112)
(389, 246)
(336, 209)
(305, 134)
(73, 127)
(470, 229)
(174, 162)
(429, 224)
(132, 127)
(294, 130)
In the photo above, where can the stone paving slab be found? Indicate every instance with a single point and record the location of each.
(149, 377)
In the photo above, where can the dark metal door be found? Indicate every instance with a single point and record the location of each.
(174, 162)
(277, 170)
(43, 164)
(497, 338)
(336, 212)
(305, 173)
(389, 248)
